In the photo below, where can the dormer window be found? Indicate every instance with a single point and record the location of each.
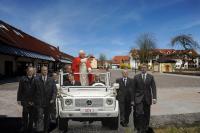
(18, 33)
(3, 27)
(52, 48)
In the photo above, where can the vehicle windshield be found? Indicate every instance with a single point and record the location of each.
(84, 79)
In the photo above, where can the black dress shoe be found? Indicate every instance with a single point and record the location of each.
(141, 131)
(125, 125)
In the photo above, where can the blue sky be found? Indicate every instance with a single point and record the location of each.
(102, 26)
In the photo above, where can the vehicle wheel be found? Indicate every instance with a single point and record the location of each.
(114, 123)
(105, 122)
(62, 124)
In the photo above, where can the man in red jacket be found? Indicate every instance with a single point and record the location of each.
(82, 65)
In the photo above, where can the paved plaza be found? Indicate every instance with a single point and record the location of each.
(178, 95)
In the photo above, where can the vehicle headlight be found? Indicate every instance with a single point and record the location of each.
(109, 101)
(68, 101)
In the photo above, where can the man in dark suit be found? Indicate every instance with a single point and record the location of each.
(45, 96)
(97, 80)
(35, 74)
(144, 93)
(53, 106)
(67, 69)
(71, 81)
(55, 77)
(124, 97)
(25, 96)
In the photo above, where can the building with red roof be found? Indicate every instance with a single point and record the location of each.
(117, 60)
(19, 50)
(169, 58)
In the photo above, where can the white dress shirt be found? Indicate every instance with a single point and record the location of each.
(44, 78)
(125, 80)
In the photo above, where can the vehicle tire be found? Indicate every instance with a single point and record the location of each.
(62, 124)
(114, 123)
(105, 122)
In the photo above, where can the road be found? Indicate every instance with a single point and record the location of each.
(173, 91)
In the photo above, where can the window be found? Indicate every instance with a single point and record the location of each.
(3, 27)
(18, 33)
(52, 48)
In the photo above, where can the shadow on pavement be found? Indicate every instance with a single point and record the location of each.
(10, 124)
(9, 80)
(150, 130)
(14, 124)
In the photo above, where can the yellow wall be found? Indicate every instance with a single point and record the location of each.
(166, 67)
(156, 67)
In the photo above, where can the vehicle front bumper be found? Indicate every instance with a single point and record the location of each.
(97, 114)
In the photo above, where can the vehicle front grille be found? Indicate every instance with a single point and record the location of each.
(92, 102)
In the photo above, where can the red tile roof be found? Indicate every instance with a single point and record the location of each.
(165, 51)
(191, 51)
(170, 51)
(120, 59)
(17, 38)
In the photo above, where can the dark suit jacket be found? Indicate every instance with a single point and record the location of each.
(44, 92)
(25, 92)
(124, 91)
(68, 83)
(144, 90)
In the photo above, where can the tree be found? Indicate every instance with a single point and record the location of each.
(102, 59)
(146, 43)
(185, 41)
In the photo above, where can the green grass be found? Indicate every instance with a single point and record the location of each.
(192, 129)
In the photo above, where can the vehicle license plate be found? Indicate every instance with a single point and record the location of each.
(88, 110)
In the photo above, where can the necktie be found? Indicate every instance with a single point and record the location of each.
(44, 79)
(143, 77)
(125, 81)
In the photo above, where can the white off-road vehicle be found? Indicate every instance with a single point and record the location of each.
(96, 102)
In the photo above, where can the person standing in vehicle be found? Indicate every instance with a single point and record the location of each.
(82, 65)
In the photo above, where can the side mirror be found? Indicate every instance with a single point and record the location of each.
(116, 86)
